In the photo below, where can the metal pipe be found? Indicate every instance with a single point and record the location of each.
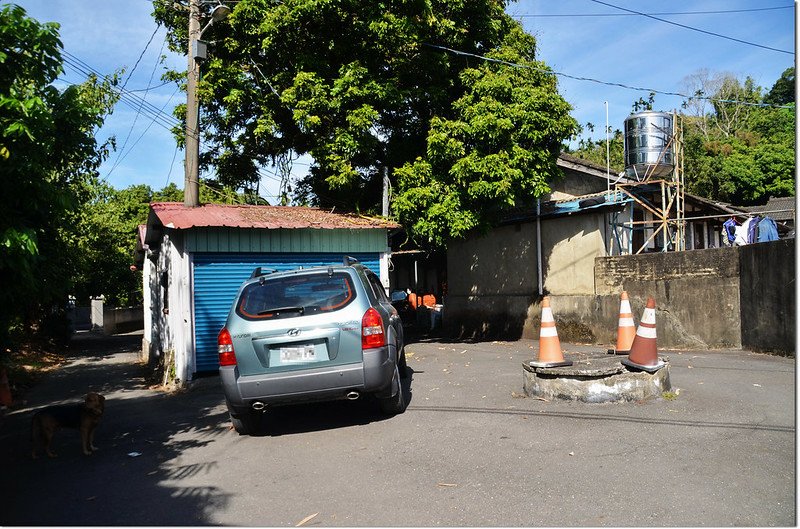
(539, 245)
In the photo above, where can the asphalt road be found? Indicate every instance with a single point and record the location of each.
(471, 450)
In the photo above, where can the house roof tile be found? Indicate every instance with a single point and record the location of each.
(780, 209)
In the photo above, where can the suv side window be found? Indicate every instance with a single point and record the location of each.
(377, 287)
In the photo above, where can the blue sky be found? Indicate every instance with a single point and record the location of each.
(577, 38)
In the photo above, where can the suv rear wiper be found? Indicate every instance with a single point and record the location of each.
(279, 310)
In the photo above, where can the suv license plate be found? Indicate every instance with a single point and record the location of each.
(306, 353)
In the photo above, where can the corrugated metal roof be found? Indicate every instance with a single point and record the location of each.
(176, 215)
(565, 158)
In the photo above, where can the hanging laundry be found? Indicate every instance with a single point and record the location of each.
(767, 230)
(752, 230)
(742, 232)
(729, 227)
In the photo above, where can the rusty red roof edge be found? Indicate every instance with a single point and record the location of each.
(177, 216)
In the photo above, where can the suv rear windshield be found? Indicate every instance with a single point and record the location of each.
(292, 296)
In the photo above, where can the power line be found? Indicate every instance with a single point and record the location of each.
(692, 28)
(141, 55)
(576, 78)
(150, 87)
(120, 160)
(171, 165)
(674, 13)
(136, 102)
(165, 120)
(131, 101)
(120, 157)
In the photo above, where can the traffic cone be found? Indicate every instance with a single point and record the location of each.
(550, 354)
(626, 329)
(644, 355)
(5, 389)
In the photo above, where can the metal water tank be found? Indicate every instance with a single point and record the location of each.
(648, 150)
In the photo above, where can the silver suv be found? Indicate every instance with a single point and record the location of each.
(322, 333)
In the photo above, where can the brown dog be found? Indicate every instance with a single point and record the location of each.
(84, 417)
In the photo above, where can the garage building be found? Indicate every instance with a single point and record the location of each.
(193, 261)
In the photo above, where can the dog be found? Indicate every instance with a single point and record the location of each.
(85, 417)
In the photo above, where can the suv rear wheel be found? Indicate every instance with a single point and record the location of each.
(249, 422)
(402, 365)
(395, 404)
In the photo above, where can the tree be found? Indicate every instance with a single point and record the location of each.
(365, 88)
(595, 150)
(782, 92)
(49, 156)
(497, 147)
(742, 149)
(738, 147)
(108, 226)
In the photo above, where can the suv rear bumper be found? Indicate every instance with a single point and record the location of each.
(372, 375)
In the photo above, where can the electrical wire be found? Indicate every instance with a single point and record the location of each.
(88, 71)
(120, 160)
(139, 104)
(133, 101)
(620, 85)
(151, 88)
(158, 26)
(120, 156)
(692, 28)
(171, 165)
(674, 13)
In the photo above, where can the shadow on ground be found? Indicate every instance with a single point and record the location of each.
(320, 416)
(134, 479)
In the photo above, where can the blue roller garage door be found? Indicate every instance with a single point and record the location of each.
(217, 278)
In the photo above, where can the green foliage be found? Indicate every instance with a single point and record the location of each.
(734, 152)
(361, 88)
(49, 157)
(498, 149)
(595, 151)
(742, 154)
(782, 92)
(108, 226)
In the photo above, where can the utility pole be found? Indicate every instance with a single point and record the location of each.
(385, 204)
(191, 182)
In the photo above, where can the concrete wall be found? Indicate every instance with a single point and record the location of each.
(696, 293)
(112, 320)
(768, 296)
(714, 298)
(492, 281)
(570, 245)
(574, 183)
(122, 320)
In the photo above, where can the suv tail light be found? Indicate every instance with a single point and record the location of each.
(372, 330)
(227, 357)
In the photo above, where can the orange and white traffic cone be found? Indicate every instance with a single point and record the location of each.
(626, 328)
(550, 354)
(644, 354)
(5, 389)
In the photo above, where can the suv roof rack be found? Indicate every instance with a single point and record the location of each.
(347, 260)
(259, 271)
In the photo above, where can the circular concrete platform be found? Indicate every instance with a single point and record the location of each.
(594, 378)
